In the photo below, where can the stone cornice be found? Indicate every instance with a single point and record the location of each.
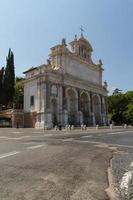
(68, 79)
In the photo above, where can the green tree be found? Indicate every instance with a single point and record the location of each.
(9, 79)
(1, 84)
(19, 93)
(120, 107)
(129, 111)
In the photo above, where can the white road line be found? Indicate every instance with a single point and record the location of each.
(26, 136)
(131, 165)
(35, 147)
(3, 137)
(17, 138)
(9, 154)
(111, 144)
(125, 182)
(17, 132)
(119, 132)
(68, 140)
(37, 132)
(86, 136)
(42, 135)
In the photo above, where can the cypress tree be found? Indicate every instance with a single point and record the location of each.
(9, 79)
(1, 84)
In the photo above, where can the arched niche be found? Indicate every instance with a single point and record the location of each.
(84, 102)
(96, 102)
(54, 111)
(72, 105)
(85, 107)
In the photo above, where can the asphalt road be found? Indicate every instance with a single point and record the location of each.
(61, 165)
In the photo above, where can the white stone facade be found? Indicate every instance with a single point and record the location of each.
(68, 89)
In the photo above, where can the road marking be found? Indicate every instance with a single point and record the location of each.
(68, 140)
(9, 154)
(38, 132)
(131, 165)
(17, 132)
(26, 136)
(17, 138)
(35, 147)
(125, 183)
(119, 132)
(86, 136)
(111, 144)
(3, 137)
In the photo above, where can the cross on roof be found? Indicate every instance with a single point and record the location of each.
(82, 30)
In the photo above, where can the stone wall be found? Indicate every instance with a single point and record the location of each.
(29, 120)
(17, 118)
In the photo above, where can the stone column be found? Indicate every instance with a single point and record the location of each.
(91, 103)
(101, 98)
(47, 114)
(93, 120)
(80, 117)
(91, 111)
(64, 107)
(39, 103)
(60, 106)
(78, 91)
(63, 98)
(102, 110)
(80, 114)
(106, 110)
(41, 117)
(47, 94)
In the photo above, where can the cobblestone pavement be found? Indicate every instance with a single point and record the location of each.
(122, 169)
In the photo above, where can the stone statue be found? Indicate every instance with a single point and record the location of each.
(105, 84)
(63, 41)
(48, 61)
(100, 62)
(75, 37)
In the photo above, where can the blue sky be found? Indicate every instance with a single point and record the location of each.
(32, 27)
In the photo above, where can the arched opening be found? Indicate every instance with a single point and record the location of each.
(97, 109)
(72, 107)
(54, 111)
(84, 107)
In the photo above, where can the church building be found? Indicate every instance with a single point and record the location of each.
(66, 90)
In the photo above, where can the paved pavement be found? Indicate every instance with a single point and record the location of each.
(62, 165)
